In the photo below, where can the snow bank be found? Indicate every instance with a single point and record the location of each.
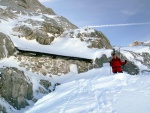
(98, 92)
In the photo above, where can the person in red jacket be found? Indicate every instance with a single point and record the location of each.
(116, 64)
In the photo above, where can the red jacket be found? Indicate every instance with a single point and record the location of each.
(116, 65)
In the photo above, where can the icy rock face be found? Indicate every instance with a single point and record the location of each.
(15, 88)
(6, 46)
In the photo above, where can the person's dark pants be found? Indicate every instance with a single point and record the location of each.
(118, 72)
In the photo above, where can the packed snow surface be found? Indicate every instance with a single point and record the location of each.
(97, 91)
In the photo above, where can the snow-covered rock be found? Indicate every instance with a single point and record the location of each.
(94, 38)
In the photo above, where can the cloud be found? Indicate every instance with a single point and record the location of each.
(45, 1)
(118, 25)
(129, 13)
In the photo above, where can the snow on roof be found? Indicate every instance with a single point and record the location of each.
(71, 47)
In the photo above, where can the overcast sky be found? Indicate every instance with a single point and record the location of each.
(101, 12)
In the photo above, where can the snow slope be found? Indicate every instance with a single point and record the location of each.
(98, 91)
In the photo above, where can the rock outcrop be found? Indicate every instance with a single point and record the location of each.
(15, 87)
(6, 46)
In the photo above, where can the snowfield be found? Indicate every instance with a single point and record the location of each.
(97, 91)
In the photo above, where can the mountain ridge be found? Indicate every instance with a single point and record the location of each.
(138, 43)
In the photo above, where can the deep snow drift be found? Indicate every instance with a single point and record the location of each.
(98, 91)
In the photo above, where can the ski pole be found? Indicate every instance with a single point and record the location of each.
(110, 70)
